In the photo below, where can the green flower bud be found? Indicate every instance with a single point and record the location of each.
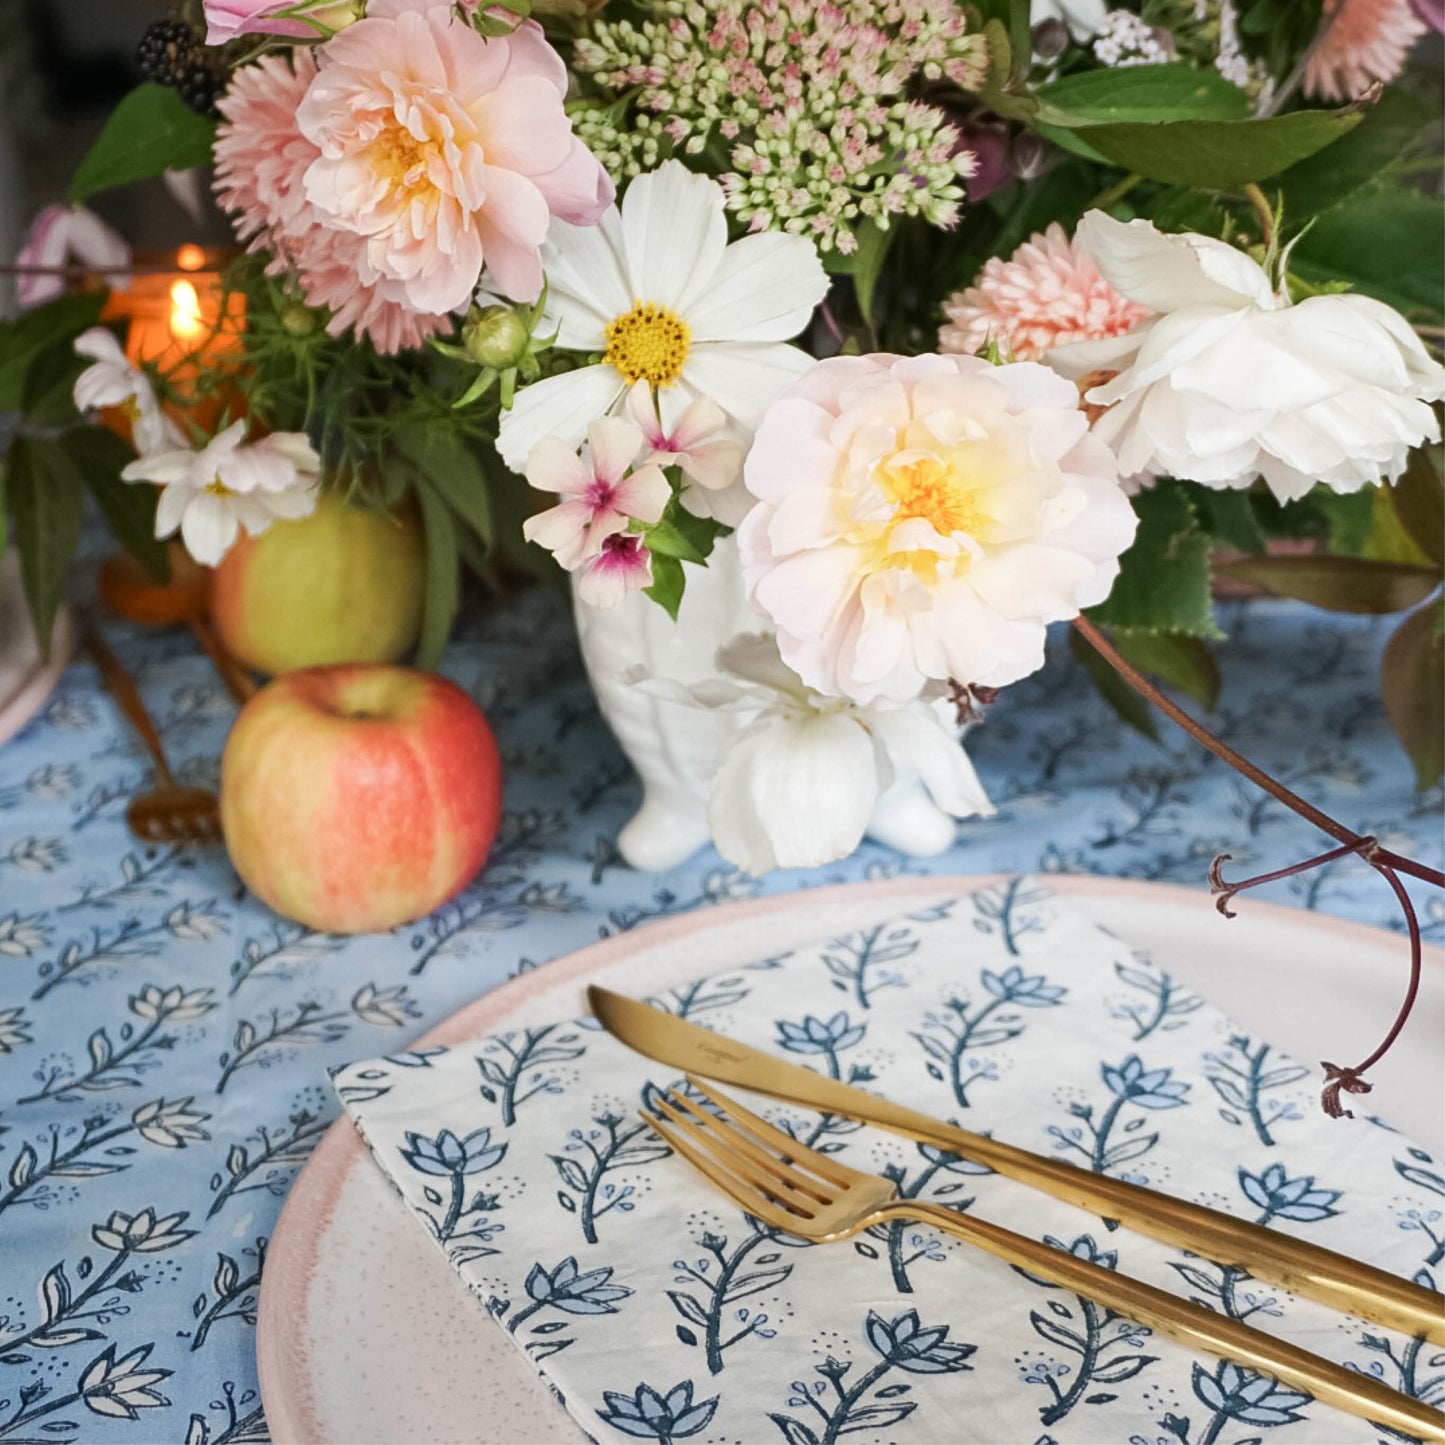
(495, 336)
(298, 320)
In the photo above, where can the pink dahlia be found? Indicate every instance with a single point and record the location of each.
(1048, 293)
(445, 152)
(1363, 41)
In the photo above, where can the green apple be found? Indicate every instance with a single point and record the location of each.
(345, 584)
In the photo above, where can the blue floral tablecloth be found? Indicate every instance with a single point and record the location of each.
(165, 1040)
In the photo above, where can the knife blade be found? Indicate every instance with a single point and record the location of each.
(1303, 1269)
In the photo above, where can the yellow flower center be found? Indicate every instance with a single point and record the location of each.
(930, 491)
(650, 343)
(130, 409)
(217, 488)
(400, 156)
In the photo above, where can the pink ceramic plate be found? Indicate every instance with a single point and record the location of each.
(26, 679)
(365, 1332)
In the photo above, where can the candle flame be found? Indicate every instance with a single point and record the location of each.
(187, 322)
(190, 258)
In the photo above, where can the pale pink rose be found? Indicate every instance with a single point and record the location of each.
(261, 164)
(445, 152)
(601, 493)
(1364, 41)
(1048, 293)
(623, 565)
(59, 235)
(922, 519)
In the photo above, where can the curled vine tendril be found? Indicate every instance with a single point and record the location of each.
(1389, 865)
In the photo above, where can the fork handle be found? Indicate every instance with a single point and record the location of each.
(123, 689)
(1192, 1325)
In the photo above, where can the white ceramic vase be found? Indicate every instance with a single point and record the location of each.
(676, 748)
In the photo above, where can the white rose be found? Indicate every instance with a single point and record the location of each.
(1229, 381)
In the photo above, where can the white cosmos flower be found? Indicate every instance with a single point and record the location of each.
(798, 784)
(1085, 18)
(113, 381)
(211, 494)
(658, 291)
(1230, 381)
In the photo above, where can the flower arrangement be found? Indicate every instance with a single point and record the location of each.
(955, 319)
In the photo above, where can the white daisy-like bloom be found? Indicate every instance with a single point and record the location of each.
(229, 484)
(799, 782)
(656, 289)
(113, 381)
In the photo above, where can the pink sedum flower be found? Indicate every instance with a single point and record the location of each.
(58, 235)
(445, 152)
(1364, 41)
(623, 565)
(1047, 294)
(601, 492)
(922, 519)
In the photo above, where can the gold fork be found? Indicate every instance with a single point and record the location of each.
(796, 1189)
(170, 812)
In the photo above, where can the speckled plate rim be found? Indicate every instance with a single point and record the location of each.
(283, 1325)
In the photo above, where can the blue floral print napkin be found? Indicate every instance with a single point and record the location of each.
(660, 1312)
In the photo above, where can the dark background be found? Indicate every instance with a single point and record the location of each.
(63, 66)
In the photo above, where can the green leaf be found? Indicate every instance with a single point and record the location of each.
(668, 583)
(1164, 582)
(1348, 516)
(443, 583)
(1339, 584)
(47, 401)
(44, 495)
(1140, 93)
(128, 508)
(1180, 662)
(1419, 501)
(1413, 686)
(1062, 194)
(1387, 131)
(1389, 243)
(1227, 515)
(22, 341)
(682, 535)
(443, 463)
(150, 132)
(873, 244)
(1128, 704)
(1218, 153)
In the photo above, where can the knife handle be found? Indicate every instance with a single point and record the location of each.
(1199, 1328)
(1303, 1269)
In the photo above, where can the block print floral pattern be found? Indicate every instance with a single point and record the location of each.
(165, 1043)
(737, 1331)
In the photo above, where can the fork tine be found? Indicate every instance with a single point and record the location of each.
(721, 1149)
(734, 1141)
(773, 1137)
(741, 1194)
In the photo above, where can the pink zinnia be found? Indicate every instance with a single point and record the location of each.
(1048, 293)
(1364, 41)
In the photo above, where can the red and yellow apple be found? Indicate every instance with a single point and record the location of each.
(357, 798)
(345, 584)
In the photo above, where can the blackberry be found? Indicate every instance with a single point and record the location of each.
(171, 53)
(165, 51)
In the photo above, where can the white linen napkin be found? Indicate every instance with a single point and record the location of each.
(659, 1311)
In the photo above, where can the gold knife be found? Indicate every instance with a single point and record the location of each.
(1303, 1269)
